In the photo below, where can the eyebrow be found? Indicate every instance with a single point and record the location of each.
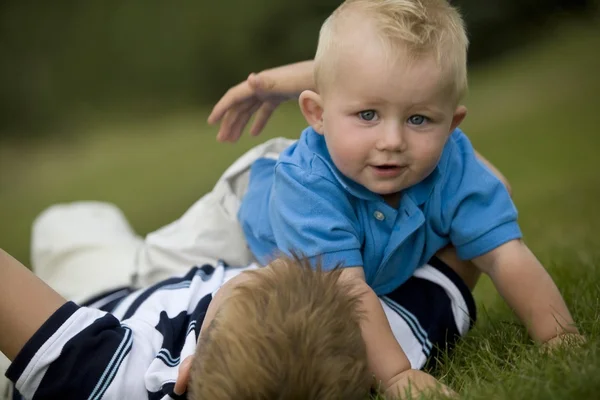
(433, 110)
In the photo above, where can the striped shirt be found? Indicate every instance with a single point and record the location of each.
(129, 343)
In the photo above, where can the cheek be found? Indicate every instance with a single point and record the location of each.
(427, 150)
(346, 144)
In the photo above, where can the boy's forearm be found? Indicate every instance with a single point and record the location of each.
(25, 304)
(530, 291)
(385, 356)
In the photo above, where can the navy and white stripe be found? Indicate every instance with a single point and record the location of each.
(86, 353)
(113, 366)
(135, 351)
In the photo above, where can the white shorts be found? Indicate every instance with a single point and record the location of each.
(84, 248)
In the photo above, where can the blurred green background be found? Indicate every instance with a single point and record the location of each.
(107, 100)
(60, 58)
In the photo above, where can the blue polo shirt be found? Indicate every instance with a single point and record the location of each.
(301, 202)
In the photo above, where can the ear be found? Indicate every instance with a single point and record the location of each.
(311, 105)
(459, 115)
(183, 377)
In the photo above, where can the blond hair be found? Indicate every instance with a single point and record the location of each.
(289, 332)
(419, 27)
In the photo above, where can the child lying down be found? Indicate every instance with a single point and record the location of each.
(282, 331)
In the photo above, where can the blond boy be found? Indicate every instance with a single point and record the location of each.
(383, 180)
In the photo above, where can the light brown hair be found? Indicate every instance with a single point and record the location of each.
(289, 332)
(420, 27)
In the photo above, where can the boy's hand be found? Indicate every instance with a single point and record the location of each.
(565, 339)
(412, 383)
(260, 94)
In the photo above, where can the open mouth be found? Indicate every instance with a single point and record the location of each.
(388, 170)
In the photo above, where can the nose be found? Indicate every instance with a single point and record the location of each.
(392, 138)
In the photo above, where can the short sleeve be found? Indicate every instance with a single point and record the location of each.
(76, 345)
(477, 208)
(313, 216)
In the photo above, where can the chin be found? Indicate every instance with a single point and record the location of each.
(386, 191)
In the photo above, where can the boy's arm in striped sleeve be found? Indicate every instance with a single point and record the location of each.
(57, 348)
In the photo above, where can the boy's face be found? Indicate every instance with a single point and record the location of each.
(386, 121)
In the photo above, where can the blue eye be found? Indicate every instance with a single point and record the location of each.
(367, 115)
(417, 119)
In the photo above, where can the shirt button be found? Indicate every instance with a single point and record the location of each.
(379, 215)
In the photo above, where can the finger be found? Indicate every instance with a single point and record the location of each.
(225, 132)
(228, 131)
(183, 376)
(446, 391)
(262, 116)
(234, 96)
(242, 121)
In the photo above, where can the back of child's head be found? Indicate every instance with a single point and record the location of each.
(288, 332)
(413, 28)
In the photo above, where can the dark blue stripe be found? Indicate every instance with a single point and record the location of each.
(460, 285)
(16, 395)
(152, 289)
(166, 389)
(83, 360)
(32, 346)
(113, 368)
(411, 325)
(112, 305)
(127, 290)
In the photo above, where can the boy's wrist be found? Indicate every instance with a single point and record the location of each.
(293, 78)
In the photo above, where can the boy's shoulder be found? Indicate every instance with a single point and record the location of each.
(459, 165)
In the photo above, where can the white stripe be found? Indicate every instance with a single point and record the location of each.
(115, 361)
(113, 365)
(413, 348)
(168, 357)
(413, 322)
(191, 327)
(174, 286)
(32, 376)
(105, 300)
(460, 310)
(123, 306)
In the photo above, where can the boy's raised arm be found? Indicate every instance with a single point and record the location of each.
(26, 302)
(528, 289)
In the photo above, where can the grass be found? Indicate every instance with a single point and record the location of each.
(534, 114)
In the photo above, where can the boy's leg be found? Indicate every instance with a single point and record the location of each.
(430, 311)
(82, 249)
(209, 230)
